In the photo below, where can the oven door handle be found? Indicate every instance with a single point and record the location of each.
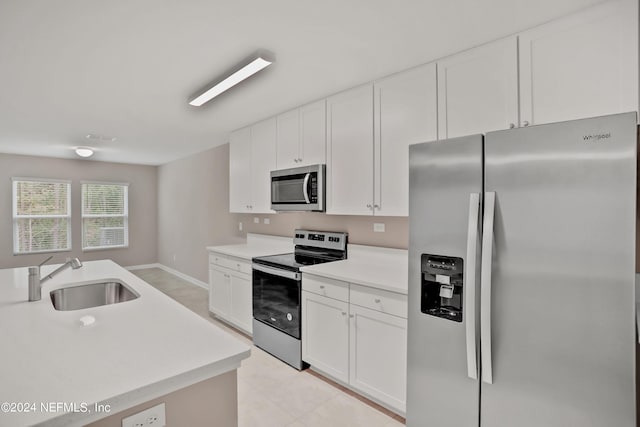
(277, 272)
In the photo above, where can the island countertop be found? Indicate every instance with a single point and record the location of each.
(134, 351)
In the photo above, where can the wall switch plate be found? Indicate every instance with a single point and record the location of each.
(152, 417)
(240, 226)
(378, 227)
(256, 220)
(266, 221)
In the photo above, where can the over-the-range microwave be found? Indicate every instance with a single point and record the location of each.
(298, 189)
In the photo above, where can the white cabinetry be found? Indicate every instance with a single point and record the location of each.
(325, 332)
(350, 152)
(405, 106)
(301, 137)
(240, 170)
(252, 157)
(584, 65)
(478, 90)
(357, 335)
(230, 290)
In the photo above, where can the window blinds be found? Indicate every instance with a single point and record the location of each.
(41, 215)
(105, 215)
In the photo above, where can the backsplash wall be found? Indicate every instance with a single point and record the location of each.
(360, 228)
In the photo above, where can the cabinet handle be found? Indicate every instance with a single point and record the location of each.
(295, 160)
(376, 206)
(525, 123)
(377, 300)
(351, 315)
(511, 126)
(344, 313)
(369, 206)
(321, 286)
(299, 160)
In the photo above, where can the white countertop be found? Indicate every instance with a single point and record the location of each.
(256, 245)
(381, 268)
(135, 351)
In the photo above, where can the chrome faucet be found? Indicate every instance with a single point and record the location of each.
(35, 281)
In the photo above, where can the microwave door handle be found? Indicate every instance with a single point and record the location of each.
(305, 188)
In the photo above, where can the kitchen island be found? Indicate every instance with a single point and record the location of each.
(60, 370)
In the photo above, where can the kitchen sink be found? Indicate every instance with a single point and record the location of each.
(93, 294)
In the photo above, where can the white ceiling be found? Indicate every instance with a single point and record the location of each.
(127, 68)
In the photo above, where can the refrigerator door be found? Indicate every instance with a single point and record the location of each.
(445, 180)
(562, 277)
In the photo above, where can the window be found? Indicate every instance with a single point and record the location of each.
(41, 215)
(105, 215)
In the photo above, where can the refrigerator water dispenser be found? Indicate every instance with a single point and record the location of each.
(441, 288)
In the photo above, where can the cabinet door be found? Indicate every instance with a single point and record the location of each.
(241, 305)
(240, 170)
(325, 335)
(263, 161)
(378, 355)
(219, 292)
(313, 134)
(288, 140)
(584, 65)
(405, 113)
(478, 90)
(350, 152)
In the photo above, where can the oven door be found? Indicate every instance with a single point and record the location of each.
(276, 298)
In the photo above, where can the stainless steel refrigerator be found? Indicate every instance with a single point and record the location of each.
(521, 277)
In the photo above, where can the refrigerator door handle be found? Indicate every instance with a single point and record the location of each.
(470, 286)
(485, 287)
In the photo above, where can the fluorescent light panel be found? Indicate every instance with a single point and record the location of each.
(84, 151)
(247, 71)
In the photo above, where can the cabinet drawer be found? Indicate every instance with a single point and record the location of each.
(379, 300)
(326, 287)
(235, 264)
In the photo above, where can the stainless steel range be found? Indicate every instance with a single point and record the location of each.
(277, 287)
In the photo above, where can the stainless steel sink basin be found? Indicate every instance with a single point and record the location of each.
(92, 294)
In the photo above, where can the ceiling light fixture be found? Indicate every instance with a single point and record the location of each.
(84, 152)
(256, 63)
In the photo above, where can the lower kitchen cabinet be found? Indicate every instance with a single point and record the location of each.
(361, 346)
(230, 291)
(325, 335)
(378, 355)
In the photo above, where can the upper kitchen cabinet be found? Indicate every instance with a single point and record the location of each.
(350, 152)
(252, 157)
(406, 113)
(240, 170)
(478, 89)
(301, 136)
(581, 66)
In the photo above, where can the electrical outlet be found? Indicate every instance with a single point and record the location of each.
(152, 417)
(240, 226)
(378, 227)
(256, 220)
(266, 221)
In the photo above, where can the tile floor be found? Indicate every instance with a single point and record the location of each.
(270, 393)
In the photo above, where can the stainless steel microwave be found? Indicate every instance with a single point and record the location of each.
(298, 189)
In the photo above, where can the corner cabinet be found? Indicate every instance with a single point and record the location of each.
(478, 90)
(301, 136)
(584, 65)
(357, 335)
(230, 291)
(252, 157)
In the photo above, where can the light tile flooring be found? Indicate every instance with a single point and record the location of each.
(270, 393)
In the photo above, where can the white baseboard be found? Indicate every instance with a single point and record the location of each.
(183, 276)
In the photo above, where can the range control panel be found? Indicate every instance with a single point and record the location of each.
(321, 239)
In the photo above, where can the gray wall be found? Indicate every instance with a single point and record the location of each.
(193, 211)
(193, 196)
(143, 226)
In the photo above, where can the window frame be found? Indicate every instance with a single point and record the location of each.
(125, 215)
(15, 217)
